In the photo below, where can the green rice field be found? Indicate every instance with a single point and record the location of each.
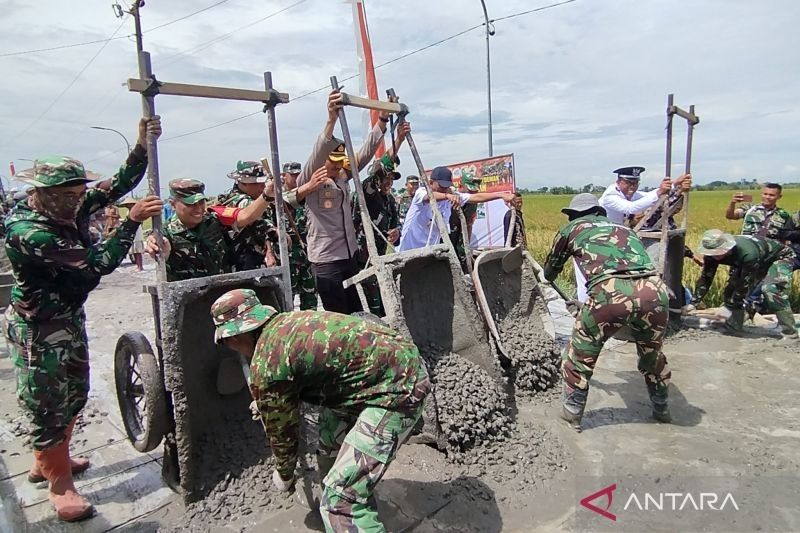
(543, 217)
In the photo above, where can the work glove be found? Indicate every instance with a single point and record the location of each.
(280, 484)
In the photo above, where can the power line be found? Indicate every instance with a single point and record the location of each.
(98, 41)
(531, 11)
(202, 46)
(212, 6)
(61, 47)
(70, 84)
(385, 63)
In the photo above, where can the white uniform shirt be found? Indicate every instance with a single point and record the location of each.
(618, 207)
(418, 227)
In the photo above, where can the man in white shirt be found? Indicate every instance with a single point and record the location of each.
(623, 203)
(419, 229)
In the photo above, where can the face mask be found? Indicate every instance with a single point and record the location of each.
(57, 204)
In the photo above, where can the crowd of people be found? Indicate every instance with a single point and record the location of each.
(370, 382)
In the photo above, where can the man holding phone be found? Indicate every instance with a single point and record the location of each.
(768, 220)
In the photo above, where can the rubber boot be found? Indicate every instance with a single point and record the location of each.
(78, 464)
(736, 321)
(659, 398)
(573, 402)
(786, 320)
(54, 463)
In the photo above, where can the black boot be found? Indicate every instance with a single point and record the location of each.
(735, 322)
(659, 398)
(573, 402)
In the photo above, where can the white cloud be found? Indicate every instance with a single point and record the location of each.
(578, 90)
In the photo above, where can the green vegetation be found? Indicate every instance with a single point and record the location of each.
(706, 211)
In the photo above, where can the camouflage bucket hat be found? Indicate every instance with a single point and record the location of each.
(239, 311)
(248, 172)
(55, 170)
(385, 166)
(187, 190)
(716, 242)
(292, 167)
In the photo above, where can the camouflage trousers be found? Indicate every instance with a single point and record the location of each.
(364, 447)
(302, 278)
(775, 288)
(641, 305)
(51, 362)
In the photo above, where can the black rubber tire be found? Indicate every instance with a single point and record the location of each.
(147, 428)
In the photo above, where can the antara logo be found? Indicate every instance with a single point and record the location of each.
(659, 501)
(608, 492)
(678, 501)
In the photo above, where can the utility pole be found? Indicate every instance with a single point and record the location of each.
(149, 110)
(489, 32)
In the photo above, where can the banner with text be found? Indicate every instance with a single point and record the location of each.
(497, 175)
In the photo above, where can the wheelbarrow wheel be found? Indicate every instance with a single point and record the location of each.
(140, 392)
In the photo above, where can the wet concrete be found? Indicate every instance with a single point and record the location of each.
(734, 401)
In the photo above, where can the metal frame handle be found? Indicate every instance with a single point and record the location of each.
(437, 214)
(366, 221)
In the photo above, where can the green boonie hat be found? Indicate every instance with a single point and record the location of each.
(716, 242)
(187, 190)
(239, 311)
(248, 172)
(55, 170)
(385, 166)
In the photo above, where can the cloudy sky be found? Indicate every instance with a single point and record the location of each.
(578, 89)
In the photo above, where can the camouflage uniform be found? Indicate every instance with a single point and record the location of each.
(402, 205)
(55, 267)
(385, 216)
(299, 266)
(248, 243)
(470, 211)
(751, 259)
(369, 381)
(204, 250)
(760, 222)
(623, 291)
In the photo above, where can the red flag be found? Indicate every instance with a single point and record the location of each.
(366, 64)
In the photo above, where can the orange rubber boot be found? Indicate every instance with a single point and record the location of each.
(54, 464)
(77, 464)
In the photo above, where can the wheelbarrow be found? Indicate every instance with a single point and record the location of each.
(190, 392)
(424, 292)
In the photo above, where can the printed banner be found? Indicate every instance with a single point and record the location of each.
(497, 175)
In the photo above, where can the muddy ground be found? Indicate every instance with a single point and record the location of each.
(736, 417)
